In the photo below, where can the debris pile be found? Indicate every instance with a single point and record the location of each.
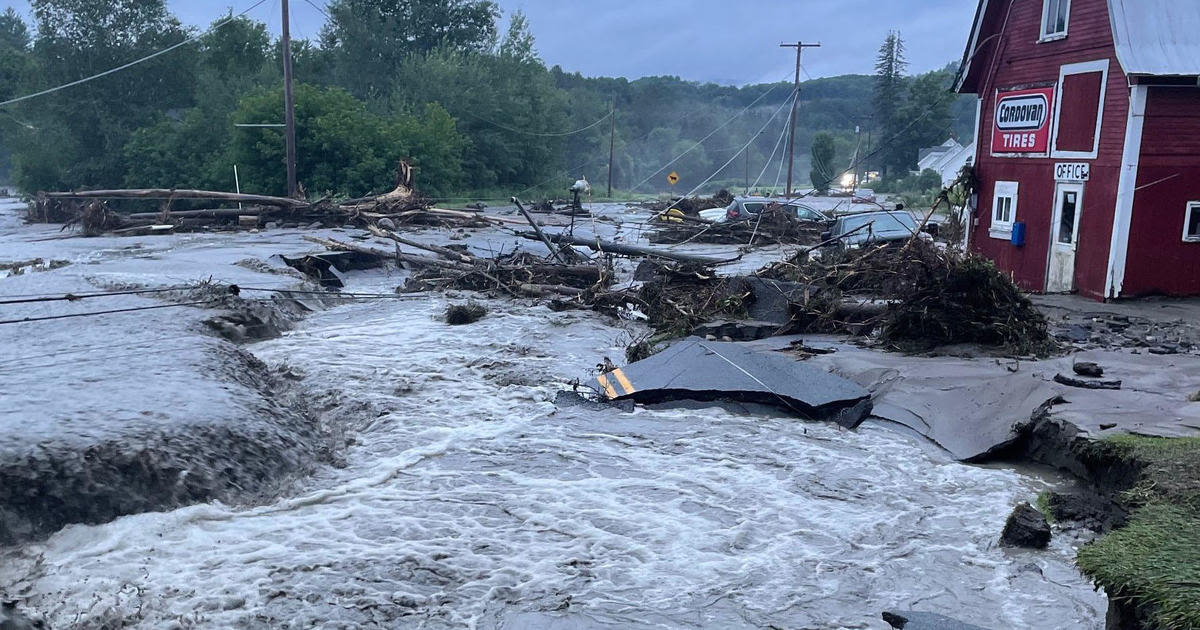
(775, 224)
(520, 274)
(683, 296)
(92, 212)
(691, 206)
(917, 296)
(469, 313)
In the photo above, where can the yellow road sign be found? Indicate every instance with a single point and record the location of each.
(673, 178)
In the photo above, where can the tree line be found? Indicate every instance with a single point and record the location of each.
(437, 82)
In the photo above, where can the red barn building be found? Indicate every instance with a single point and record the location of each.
(1088, 144)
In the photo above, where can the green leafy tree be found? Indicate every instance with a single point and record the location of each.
(518, 42)
(191, 148)
(509, 109)
(79, 133)
(344, 148)
(369, 39)
(889, 100)
(239, 48)
(435, 148)
(822, 161)
(341, 147)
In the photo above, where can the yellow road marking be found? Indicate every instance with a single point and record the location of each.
(624, 381)
(608, 388)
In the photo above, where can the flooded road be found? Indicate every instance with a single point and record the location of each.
(464, 498)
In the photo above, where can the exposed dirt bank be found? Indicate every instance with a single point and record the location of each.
(1144, 494)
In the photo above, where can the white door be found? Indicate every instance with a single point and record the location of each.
(1064, 238)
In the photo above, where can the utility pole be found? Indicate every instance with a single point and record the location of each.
(612, 140)
(747, 156)
(799, 46)
(289, 104)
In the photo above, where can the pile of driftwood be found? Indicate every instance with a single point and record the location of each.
(91, 210)
(691, 206)
(564, 274)
(916, 296)
(775, 224)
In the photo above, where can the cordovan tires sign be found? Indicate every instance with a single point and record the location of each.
(1022, 122)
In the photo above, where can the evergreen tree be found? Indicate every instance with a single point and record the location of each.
(889, 101)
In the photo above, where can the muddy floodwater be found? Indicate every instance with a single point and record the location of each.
(463, 497)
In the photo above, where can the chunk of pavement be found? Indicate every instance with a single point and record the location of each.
(469, 313)
(701, 370)
(737, 331)
(1089, 369)
(1071, 381)
(912, 620)
(566, 398)
(770, 299)
(1026, 527)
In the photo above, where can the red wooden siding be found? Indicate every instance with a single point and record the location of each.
(1078, 108)
(1023, 62)
(1159, 261)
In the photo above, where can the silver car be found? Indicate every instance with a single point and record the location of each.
(747, 208)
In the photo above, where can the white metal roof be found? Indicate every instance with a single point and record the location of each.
(1158, 37)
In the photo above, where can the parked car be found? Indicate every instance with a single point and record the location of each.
(747, 208)
(853, 231)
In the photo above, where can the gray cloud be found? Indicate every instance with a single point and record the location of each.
(705, 40)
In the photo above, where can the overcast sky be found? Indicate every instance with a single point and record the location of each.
(724, 41)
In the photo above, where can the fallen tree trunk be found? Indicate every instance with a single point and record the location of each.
(412, 259)
(211, 213)
(447, 253)
(537, 230)
(626, 250)
(168, 193)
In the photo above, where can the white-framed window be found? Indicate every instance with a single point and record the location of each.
(1191, 223)
(1004, 210)
(1055, 15)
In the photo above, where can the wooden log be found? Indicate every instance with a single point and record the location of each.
(540, 234)
(420, 261)
(169, 193)
(538, 290)
(628, 250)
(210, 213)
(447, 253)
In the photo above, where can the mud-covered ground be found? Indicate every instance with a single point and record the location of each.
(374, 467)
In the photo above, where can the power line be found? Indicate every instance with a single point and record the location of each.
(135, 62)
(748, 143)
(319, 8)
(778, 142)
(711, 134)
(71, 297)
(536, 133)
(92, 313)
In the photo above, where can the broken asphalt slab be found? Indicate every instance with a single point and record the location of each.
(911, 620)
(696, 369)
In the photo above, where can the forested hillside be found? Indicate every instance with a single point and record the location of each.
(434, 81)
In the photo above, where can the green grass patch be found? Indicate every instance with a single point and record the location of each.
(1043, 505)
(1154, 560)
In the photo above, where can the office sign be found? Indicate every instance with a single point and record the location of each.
(1072, 171)
(1022, 121)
